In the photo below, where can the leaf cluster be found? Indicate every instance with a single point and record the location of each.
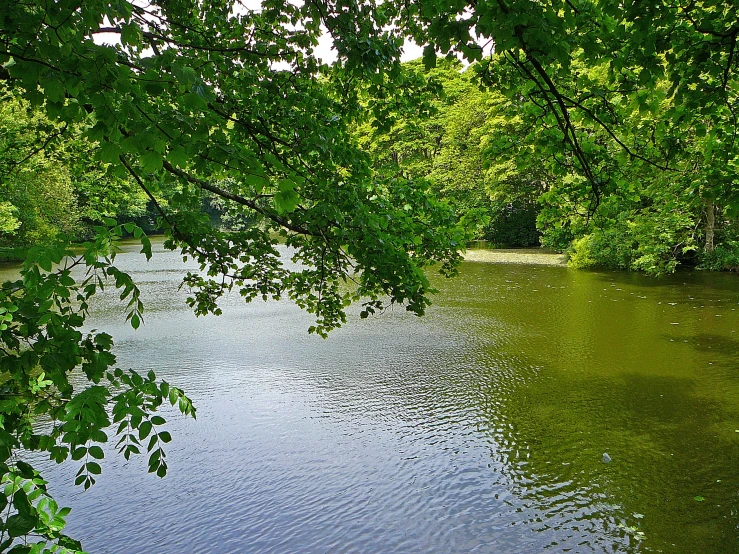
(61, 392)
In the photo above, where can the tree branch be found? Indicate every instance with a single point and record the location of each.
(283, 222)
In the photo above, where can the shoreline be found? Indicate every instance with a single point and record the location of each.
(522, 256)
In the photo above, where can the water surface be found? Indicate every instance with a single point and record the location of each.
(478, 428)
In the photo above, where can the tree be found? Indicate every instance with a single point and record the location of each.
(451, 146)
(481, 141)
(53, 183)
(189, 94)
(183, 97)
(189, 98)
(612, 93)
(574, 66)
(37, 189)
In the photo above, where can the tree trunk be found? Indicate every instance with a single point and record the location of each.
(710, 224)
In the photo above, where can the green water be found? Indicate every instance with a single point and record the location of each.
(645, 370)
(478, 428)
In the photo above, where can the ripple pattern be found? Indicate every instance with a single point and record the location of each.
(479, 428)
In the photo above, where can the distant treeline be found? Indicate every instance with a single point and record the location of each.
(662, 199)
(663, 202)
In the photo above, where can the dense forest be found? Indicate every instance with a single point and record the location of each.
(603, 129)
(64, 190)
(485, 154)
(668, 196)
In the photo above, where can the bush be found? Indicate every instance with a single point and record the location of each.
(725, 257)
(610, 248)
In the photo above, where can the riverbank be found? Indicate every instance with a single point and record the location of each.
(527, 256)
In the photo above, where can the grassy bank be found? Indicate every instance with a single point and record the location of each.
(533, 256)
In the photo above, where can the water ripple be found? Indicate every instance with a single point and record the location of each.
(480, 428)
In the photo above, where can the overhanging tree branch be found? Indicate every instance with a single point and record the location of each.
(282, 221)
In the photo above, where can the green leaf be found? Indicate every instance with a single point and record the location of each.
(110, 152)
(54, 90)
(286, 185)
(70, 543)
(96, 452)
(20, 524)
(99, 436)
(177, 156)
(144, 429)
(259, 182)
(151, 161)
(286, 201)
(644, 77)
(429, 57)
(24, 469)
(146, 246)
(79, 453)
(131, 34)
(186, 75)
(21, 502)
(194, 102)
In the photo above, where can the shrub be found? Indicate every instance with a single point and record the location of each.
(725, 257)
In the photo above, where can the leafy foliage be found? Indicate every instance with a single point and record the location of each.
(627, 100)
(179, 98)
(619, 117)
(189, 100)
(52, 183)
(449, 145)
(44, 354)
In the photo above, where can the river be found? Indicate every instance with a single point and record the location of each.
(480, 427)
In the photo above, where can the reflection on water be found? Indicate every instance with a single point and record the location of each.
(479, 428)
